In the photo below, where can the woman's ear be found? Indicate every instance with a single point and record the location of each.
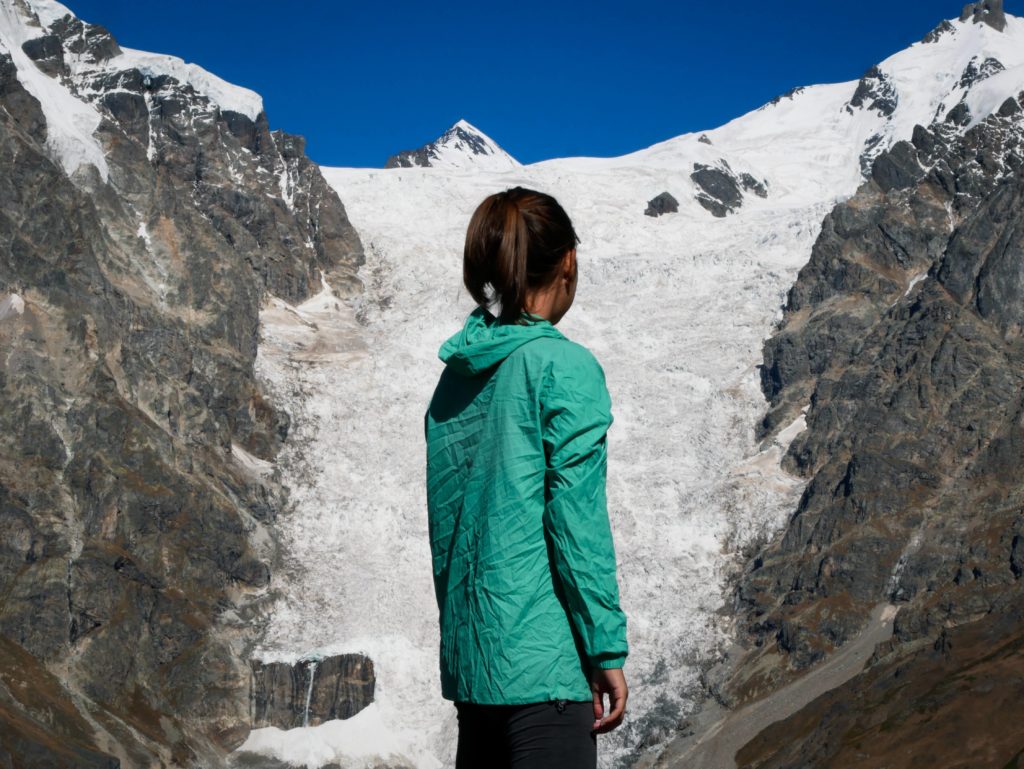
(569, 264)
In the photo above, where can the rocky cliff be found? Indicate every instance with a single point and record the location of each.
(902, 340)
(146, 212)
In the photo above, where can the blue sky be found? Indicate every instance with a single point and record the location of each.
(544, 79)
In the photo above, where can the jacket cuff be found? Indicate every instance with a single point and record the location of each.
(609, 663)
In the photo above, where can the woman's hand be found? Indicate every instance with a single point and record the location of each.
(612, 682)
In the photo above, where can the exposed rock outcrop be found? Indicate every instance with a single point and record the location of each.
(310, 692)
(875, 91)
(985, 12)
(940, 29)
(976, 71)
(721, 189)
(662, 203)
(787, 95)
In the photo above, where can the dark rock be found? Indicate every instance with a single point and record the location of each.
(48, 54)
(703, 139)
(131, 112)
(242, 127)
(787, 95)
(721, 193)
(874, 91)
(940, 29)
(91, 41)
(663, 203)
(716, 207)
(960, 114)
(923, 140)
(758, 187)
(986, 11)
(975, 73)
(898, 168)
(970, 676)
(342, 685)
(22, 106)
(873, 147)
(41, 727)
(1008, 108)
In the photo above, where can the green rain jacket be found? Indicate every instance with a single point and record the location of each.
(523, 559)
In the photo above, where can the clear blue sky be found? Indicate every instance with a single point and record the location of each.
(544, 79)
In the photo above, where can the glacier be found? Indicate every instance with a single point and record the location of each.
(676, 309)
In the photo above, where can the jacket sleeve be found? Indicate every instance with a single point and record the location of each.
(575, 417)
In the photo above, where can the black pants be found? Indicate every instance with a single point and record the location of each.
(555, 734)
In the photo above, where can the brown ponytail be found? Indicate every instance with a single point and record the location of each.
(516, 240)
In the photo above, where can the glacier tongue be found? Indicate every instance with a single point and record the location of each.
(676, 310)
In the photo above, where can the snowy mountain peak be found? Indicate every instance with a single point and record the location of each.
(73, 67)
(68, 50)
(463, 146)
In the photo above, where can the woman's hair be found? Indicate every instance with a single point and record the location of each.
(516, 240)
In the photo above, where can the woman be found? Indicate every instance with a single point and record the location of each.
(532, 635)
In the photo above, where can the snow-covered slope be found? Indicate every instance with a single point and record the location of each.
(817, 141)
(461, 147)
(676, 308)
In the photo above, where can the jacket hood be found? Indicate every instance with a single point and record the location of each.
(484, 341)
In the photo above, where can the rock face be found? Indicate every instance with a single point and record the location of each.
(136, 449)
(987, 12)
(875, 91)
(662, 203)
(940, 29)
(721, 189)
(904, 338)
(311, 691)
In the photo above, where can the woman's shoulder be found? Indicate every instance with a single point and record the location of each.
(561, 353)
(564, 365)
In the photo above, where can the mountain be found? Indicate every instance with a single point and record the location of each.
(461, 147)
(215, 371)
(146, 213)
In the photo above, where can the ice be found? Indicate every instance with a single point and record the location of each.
(255, 465)
(11, 304)
(675, 309)
(354, 740)
(227, 96)
(50, 11)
